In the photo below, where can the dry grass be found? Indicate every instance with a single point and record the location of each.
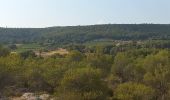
(59, 51)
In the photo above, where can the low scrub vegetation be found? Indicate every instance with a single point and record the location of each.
(137, 74)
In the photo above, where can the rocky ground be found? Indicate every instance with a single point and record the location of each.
(30, 96)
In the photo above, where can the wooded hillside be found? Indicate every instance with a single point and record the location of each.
(81, 34)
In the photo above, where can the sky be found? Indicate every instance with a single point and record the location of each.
(47, 13)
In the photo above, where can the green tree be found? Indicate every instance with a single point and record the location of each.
(122, 67)
(133, 91)
(75, 56)
(85, 82)
(100, 61)
(157, 73)
(27, 54)
(4, 51)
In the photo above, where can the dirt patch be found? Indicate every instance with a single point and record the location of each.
(59, 51)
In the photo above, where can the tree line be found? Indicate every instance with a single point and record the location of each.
(82, 34)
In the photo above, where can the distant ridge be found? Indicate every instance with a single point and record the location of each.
(81, 34)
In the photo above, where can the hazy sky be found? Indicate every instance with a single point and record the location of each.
(44, 13)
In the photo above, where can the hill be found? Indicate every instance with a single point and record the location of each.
(82, 34)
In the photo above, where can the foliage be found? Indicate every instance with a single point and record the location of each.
(133, 91)
(129, 71)
(85, 82)
(82, 34)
